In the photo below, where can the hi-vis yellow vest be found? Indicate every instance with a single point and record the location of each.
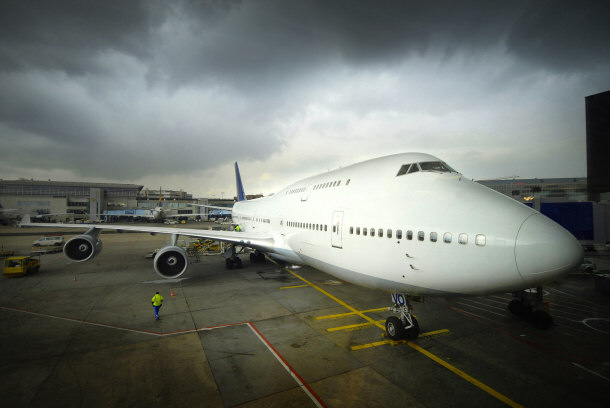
(157, 300)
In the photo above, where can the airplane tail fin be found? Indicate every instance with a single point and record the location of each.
(241, 196)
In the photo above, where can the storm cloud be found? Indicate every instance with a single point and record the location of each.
(172, 93)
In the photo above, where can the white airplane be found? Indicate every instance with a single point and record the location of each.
(159, 213)
(406, 223)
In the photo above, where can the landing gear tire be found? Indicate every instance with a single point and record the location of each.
(529, 304)
(257, 257)
(394, 328)
(542, 320)
(412, 332)
(237, 262)
(229, 264)
(518, 308)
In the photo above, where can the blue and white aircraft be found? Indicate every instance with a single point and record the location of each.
(406, 223)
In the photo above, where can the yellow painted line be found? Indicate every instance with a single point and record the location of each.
(395, 343)
(352, 326)
(292, 287)
(426, 353)
(369, 345)
(434, 333)
(336, 316)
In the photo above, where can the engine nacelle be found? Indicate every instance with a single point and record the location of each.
(83, 247)
(170, 262)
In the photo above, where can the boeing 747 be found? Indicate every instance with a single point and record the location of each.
(406, 223)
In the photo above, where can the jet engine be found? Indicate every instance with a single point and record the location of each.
(170, 262)
(83, 247)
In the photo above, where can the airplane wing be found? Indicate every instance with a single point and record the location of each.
(127, 215)
(182, 215)
(213, 206)
(261, 241)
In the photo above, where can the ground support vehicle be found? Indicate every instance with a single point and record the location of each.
(20, 265)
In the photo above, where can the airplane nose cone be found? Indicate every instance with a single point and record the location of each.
(545, 251)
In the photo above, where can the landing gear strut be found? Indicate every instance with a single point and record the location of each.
(405, 326)
(231, 259)
(529, 304)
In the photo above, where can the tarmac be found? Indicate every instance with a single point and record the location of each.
(269, 335)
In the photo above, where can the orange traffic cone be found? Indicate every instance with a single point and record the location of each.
(172, 293)
(74, 278)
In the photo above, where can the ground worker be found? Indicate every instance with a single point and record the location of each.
(237, 228)
(157, 302)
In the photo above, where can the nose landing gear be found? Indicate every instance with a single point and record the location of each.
(529, 304)
(405, 327)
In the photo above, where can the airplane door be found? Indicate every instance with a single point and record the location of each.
(336, 239)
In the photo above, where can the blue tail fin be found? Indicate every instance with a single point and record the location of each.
(240, 187)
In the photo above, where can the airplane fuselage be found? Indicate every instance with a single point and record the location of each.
(424, 230)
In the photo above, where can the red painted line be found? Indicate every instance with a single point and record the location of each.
(72, 319)
(308, 390)
(299, 380)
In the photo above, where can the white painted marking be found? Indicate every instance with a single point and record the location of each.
(592, 372)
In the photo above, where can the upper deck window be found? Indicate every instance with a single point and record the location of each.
(437, 166)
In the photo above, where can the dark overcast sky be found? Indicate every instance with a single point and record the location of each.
(171, 93)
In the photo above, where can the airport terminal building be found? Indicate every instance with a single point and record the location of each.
(62, 197)
(77, 200)
(549, 190)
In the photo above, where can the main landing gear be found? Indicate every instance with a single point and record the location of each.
(233, 261)
(231, 258)
(529, 304)
(405, 326)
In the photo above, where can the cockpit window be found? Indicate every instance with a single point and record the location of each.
(438, 166)
(403, 170)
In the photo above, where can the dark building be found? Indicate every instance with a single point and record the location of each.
(598, 146)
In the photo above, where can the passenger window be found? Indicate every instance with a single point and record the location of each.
(399, 234)
(389, 233)
(351, 230)
(347, 182)
(433, 236)
(480, 240)
(463, 239)
(364, 231)
(372, 232)
(325, 227)
(334, 228)
(357, 230)
(409, 235)
(420, 235)
(447, 238)
(380, 233)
